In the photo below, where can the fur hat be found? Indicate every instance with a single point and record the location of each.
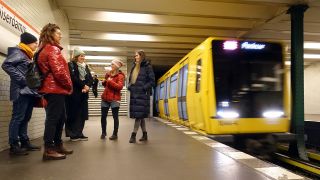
(77, 52)
(27, 38)
(117, 62)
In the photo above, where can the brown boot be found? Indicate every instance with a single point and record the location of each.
(50, 153)
(61, 149)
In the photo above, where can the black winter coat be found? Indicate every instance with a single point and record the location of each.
(140, 91)
(77, 102)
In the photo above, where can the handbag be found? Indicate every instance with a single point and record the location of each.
(40, 102)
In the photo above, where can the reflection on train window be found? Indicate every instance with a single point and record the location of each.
(162, 90)
(173, 85)
(248, 81)
(198, 79)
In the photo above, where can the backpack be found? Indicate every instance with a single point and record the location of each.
(34, 76)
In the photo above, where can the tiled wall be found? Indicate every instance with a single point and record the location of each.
(312, 89)
(37, 13)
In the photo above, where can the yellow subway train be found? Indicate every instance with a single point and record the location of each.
(227, 87)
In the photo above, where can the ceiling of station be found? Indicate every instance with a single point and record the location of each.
(168, 29)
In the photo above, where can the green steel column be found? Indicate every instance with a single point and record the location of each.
(297, 148)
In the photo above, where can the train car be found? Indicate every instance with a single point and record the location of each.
(226, 86)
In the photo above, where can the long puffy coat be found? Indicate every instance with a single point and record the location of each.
(140, 91)
(16, 66)
(77, 102)
(55, 69)
(112, 87)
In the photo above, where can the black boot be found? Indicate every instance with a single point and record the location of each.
(103, 136)
(144, 137)
(30, 147)
(15, 149)
(133, 138)
(114, 136)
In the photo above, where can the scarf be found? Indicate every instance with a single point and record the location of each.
(26, 49)
(135, 73)
(82, 70)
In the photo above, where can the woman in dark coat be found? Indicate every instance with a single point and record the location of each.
(141, 81)
(77, 102)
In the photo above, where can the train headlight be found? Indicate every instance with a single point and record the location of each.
(272, 114)
(228, 114)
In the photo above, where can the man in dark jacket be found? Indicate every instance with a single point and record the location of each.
(16, 65)
(95, 86)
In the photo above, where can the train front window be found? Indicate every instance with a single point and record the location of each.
(248, 78)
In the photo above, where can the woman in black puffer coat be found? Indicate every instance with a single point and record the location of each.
(141, 81)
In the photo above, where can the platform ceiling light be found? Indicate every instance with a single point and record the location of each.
(103, 57)
(311, 45)
(128, 37)
(311, 56)
(128, 17)
(94, 48)
(98, 63)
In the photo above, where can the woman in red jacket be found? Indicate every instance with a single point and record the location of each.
(111, 97)
(55, 86)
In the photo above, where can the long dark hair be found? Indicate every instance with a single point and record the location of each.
(142, 54)
(46, 34)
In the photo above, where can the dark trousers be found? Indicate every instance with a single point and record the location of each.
(104, 114)
(21, 115)
(95, 92)
(55, 118)
(74, 126)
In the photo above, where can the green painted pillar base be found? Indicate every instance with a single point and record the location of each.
(297, 148)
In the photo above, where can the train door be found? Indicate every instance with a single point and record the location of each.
(161, 100)
(156, 97)
(197, 96)
(182, 92)
(166, 97)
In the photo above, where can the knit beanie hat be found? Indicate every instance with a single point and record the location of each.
(77, 52)
(27, 38)
(117, 62)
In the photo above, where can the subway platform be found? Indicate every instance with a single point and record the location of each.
(172, 152)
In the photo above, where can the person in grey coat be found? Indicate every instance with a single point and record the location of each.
(141, 81)
(23, 98)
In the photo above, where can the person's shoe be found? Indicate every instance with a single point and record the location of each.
(113, 137)
(62, 150)
(144, 137)
(103, 136)
(30, 147)
(15, 149)
(83, 138)
(133, 138)
(50, 153)
(74, 139)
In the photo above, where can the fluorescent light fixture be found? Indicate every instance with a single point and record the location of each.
(311, 56)
(98, 63)
(92, 72)
(288, 63)
(272, 114)
(103, 57)
(228, 114)
(128, 37)
(311, 45)
(94, 48)
(127, 17)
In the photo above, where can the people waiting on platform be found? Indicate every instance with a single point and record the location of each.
(141, 81)
(111, 97)
(95, 84)
(55, 86)
(77, 102)
(23, 98)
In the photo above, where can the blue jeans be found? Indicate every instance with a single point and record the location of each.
(21, 115)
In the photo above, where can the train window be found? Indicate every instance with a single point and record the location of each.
(173, 85)
(198, 79)
(248, 77)
(162, 90)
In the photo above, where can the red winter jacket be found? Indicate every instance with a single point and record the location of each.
(112, 87)
(55, 70)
